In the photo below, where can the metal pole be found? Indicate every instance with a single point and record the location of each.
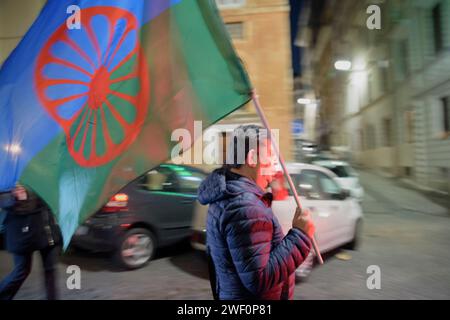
(283, 165)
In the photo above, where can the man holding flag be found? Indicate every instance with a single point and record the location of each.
(251, 257)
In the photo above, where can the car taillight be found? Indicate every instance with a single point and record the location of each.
(118, 201)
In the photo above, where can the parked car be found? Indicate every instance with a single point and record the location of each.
(346, 176)
(153, 211)
(306, 150)
(338, 217)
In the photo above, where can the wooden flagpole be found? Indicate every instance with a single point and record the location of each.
(283, 165)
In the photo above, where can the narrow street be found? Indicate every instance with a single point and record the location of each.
(405, 234)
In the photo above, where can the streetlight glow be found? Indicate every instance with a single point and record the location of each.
(343, 65)
(304, 101)
(13, 148)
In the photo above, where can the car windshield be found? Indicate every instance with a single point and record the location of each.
(342, 171)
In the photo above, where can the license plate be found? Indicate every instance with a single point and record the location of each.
(81, 231)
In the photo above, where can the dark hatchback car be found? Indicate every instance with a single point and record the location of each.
(153, 211)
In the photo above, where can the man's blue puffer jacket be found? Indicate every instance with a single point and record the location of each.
(251, 256)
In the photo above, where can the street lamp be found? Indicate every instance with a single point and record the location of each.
(304, 101)
(359, 65)
(343, 65)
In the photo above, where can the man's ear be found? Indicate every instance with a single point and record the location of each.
(252, 158)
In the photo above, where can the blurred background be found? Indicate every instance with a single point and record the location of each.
(360, 93)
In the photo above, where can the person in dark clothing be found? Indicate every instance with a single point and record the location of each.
(248, 254)
(29, 226)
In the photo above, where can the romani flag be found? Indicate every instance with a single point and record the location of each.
(85, 111)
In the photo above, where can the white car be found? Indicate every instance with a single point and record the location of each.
(338, 217)
(346, 176)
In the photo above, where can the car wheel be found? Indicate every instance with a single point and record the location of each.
(304, 270)
(135, 249)
(354, 244)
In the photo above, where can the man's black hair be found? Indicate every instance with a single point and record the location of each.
(244, 137)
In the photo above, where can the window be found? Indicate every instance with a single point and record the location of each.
(409, 126)
(230, 3)
(440, 115)
(445, 102)
(235, 29)
(329, 186)
(361, 140)
(387, 128)
(341, 171)
(316, 185)
(307, 184)
(437, 28)
(369, 87)
(190, 181)
(407, 171)
(384, 79)
(160, 179)
(330, 189)
(370, 137)
(444, 173)
(404, 58)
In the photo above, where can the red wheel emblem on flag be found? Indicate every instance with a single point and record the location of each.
(94, 82)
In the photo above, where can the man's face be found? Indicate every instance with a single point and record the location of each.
(266, 166)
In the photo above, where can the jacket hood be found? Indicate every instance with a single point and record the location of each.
(216, 187)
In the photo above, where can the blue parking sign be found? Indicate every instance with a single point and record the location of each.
(297, 126)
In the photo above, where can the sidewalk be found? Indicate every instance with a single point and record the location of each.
(440, 198)
(392, 195)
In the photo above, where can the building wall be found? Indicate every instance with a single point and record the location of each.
(16, 16)
(404, 96)
(265, 51)
(432, 146)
